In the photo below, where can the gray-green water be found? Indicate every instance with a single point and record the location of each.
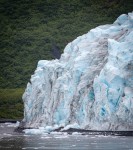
(11, 140)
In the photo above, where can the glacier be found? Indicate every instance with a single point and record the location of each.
(90, 87)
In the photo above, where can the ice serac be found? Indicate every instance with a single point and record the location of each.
(90, 86)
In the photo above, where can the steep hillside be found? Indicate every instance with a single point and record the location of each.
(30, 29)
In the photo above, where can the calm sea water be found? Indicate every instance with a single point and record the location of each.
(11, 140)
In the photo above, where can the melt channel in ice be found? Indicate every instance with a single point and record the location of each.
(90, 86)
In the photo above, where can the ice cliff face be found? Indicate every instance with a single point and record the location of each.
(90, 86)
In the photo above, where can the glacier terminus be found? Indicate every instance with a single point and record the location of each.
(90, 87)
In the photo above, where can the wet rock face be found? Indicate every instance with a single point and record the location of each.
(90, 86)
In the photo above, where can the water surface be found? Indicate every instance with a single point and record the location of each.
(11, 140)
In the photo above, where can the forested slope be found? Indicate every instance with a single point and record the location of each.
(31, 28)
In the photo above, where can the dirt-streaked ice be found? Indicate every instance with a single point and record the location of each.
(90, 86)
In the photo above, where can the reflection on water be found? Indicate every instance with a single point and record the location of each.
(10, 140)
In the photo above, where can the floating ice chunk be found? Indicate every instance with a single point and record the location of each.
(56, 133)
(13, 124)
(76, 133)
(32, 131)
(49, 128)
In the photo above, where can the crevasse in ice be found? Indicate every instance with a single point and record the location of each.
(90, 86)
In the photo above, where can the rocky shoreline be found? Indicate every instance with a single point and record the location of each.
(71, 130)
(85, 132)
(96, 132)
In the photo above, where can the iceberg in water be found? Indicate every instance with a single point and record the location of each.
(90, 86)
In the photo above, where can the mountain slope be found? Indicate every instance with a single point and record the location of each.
(30, 28)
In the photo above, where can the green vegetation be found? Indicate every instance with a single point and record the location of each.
(11, 105)
(30, 28)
